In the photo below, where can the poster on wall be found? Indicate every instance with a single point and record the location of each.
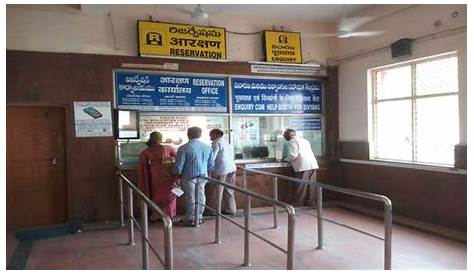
(275, 96)
(93, 119)
(180, 40)
(282, 47)
(148, 91)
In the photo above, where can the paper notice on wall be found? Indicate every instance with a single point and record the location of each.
(174, 128)
(93, 119)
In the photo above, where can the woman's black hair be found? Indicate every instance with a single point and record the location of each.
(217, 131)
(155, 139)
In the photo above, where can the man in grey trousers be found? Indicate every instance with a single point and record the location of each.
(224, 171)
(193, 160)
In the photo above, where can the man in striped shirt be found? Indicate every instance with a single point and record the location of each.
(193, 159)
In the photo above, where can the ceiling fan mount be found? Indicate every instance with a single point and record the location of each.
(348, 27)
(199, 13)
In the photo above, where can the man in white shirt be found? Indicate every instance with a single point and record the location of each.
(301, 158)
(224, 171)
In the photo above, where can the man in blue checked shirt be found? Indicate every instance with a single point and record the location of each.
(193, 159)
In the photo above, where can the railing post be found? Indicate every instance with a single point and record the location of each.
(196, 203)
(122, 223)
(218, 216)
(247, 233)
(144, 235)
(245, 179)
(388, 237)
(319, 209)
(131, 240)
(291, 240)
(168, 240)
(275, 196)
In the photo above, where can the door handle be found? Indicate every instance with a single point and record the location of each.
(53, 161)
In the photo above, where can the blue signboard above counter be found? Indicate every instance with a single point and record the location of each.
(148, 91)
(275, 96)
(305, 123)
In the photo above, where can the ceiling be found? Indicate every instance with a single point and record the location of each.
(325, 13)
(315, 12)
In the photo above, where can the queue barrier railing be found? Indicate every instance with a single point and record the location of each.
(319, 208)
(143, 228)
(247, 194)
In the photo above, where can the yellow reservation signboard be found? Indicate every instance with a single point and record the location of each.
(179, 40)
(282, 47)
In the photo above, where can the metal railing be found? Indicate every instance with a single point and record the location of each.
(247, 194)
(319, 209)
(145, 203)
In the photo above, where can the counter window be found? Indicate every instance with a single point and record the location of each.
(174, 129)
(262, 137)
(127, 127)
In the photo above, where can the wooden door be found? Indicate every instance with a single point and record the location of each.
(36, 168)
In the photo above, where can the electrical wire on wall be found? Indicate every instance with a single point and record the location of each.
(109, 16)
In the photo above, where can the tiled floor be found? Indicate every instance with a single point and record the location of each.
(194, 247)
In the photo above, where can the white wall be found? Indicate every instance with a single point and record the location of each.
(409, 23)
(57, 28)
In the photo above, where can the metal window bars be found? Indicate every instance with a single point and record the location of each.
(319, 202)
(247, 194)
(145, 203)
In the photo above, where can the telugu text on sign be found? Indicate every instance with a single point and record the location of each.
(276, 96)
(159, 92)
(282, 47)
(181, 40)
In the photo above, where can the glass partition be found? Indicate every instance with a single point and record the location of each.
(261, 137)
(129, 151)
(174, 129)
(253, 137)
(127, 127)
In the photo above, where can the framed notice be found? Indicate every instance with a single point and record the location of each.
(180, 40)
(93, 119)
(147, 91)
(282, 47)
(275, 96)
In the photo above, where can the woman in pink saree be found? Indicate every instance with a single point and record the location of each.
(155, 176)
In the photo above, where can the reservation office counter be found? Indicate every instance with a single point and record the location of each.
(252, 112)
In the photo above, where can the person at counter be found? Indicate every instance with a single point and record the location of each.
(224, 171)
(155, 177)
(303, 161)
(193, 160)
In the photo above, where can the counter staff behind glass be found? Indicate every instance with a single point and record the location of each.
(255, 137)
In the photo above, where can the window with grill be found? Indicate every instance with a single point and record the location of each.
(414, 111)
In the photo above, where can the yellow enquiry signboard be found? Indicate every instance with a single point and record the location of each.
(282, 47)
(179, 40)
